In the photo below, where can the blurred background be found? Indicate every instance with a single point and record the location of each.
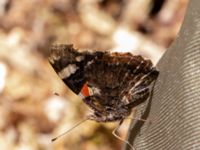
(31, 114)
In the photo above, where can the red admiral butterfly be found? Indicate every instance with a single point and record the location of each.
(111, 84)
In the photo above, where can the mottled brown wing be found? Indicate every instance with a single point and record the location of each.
(107, 75)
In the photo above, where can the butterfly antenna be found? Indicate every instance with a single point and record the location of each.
(76, 125)
(118, 137)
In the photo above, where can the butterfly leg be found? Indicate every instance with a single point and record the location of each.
(114, 132)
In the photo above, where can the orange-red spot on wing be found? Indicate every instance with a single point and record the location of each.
(85, 90)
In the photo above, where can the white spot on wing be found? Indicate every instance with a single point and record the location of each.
(54, 58)
(67, 71)
(79, 58)
(110, 116)
(90, 62)
(94, 91)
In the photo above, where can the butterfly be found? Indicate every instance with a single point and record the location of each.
(111, 84)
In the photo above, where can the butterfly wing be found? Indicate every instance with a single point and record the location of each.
(106, 75)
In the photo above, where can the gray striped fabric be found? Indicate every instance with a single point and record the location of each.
(173, 111)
